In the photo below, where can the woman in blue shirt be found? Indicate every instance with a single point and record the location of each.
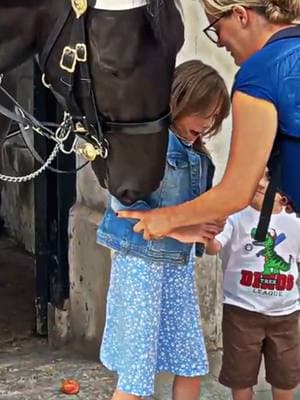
(153, 316)
(265, 42)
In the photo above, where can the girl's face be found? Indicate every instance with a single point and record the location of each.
(190, 127)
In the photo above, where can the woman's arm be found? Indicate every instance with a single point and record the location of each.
(201, 233)
(254, 131)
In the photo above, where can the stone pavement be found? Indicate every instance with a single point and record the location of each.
(31, 370)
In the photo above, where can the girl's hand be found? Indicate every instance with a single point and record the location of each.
(201, 233)
(155, 224)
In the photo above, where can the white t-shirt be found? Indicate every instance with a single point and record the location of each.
(261, 277)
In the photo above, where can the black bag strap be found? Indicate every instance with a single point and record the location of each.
(268, 203)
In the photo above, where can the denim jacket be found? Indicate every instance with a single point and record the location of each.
(187, 174)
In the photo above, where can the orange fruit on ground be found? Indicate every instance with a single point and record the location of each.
(70, 386)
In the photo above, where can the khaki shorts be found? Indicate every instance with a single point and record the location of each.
(247, 336)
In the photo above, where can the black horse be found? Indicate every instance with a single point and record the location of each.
(130, 56)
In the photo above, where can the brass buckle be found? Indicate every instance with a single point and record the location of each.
(68, 59)
(81, 52)
(88, 151)
(79, 128)
(79, 7)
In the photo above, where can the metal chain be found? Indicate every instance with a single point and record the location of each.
(29, 177)
(61, 135)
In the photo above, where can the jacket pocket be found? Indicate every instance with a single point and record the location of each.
(176, 186)
(120, 230)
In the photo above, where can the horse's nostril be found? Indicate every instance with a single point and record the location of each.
(130, 196)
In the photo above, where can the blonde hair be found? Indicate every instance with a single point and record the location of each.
(275, 11)
(196, 89)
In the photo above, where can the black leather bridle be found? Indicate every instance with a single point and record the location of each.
(74, 70)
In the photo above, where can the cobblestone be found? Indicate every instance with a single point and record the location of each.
(32, 370)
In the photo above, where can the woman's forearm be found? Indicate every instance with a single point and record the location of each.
(200, 210)
(254, 130)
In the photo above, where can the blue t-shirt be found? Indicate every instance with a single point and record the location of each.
(273, 74)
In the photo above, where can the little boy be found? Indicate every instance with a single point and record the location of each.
(261, 300)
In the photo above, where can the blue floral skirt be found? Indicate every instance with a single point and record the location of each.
(152, 323)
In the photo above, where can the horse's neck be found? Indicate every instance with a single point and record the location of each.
(33, 21)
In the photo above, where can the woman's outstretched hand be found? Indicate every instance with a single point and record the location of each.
(201, 233)
(155, 224)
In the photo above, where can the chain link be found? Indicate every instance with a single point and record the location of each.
(61, 135)
(29, 177)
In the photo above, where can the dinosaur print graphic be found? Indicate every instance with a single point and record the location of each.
(274, 263)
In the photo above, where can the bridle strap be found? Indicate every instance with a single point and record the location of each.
(77, 90)
(26, 119)
(81, 74)
(139, 128)
(54, 35)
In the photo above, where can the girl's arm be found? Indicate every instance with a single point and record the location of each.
(254, 131)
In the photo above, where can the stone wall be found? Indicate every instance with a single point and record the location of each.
(89, 265)
(17, 199)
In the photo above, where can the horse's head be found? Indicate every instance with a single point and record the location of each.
(132, 56)
(131, 50)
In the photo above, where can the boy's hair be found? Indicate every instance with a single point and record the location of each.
(197, 88)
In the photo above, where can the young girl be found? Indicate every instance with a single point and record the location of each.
(153, 317)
